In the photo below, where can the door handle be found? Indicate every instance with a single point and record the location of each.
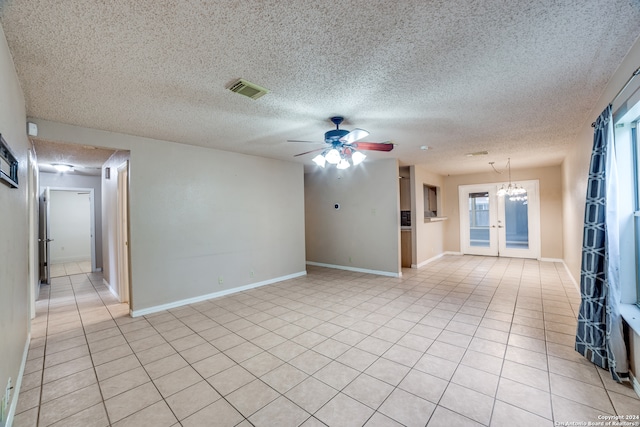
(501, 226)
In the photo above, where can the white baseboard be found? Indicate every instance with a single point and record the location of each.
(560, 260)
(430, 260)
(62, 260)
(452, 253)
(157, 308)
(16, 388)
(573, 280)
(113, 291)
(356, 269)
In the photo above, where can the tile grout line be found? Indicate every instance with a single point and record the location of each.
(44, 355)
(87, 341)
(398, 297)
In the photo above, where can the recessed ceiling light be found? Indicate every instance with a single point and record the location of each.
(61, 167)
(425, 148)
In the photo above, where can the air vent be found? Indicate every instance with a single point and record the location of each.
(249, 89)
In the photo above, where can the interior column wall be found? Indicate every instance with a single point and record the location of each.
(428, 237)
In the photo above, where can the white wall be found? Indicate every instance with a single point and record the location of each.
(70, 226)
(365, 232)
(14, 243)
(69, 180)
(427, 237)
(198, 214)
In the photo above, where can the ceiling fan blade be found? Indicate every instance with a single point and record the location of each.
(374, 146)
(353, 136)
(312, 142)
(307, 152)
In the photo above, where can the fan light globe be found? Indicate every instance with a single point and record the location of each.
(333, 156)
(319, 160)
(357, 158)
(343, 164)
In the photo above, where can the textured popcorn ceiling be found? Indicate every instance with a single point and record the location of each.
(515, 78)
(87, 160)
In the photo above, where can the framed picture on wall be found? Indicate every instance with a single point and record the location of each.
(8, 165)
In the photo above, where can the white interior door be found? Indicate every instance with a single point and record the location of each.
(494, 225)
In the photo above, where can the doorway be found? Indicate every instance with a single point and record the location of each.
(494, 225)
(67, 222)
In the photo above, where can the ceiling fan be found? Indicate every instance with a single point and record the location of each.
(344, 146)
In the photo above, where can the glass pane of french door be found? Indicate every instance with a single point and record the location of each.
(516, 214)
(478, 211)
(479, 227)
(519, 223)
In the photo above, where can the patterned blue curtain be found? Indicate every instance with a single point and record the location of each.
(599, 336)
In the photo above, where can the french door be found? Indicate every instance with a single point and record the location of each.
(496, 225)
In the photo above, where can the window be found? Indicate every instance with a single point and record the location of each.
(636, 208)
(626, 118)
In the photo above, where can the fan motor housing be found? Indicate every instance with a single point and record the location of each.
(333, 136)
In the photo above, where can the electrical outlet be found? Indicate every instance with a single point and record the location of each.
(251, 274)
(220, 280)
(350, 259)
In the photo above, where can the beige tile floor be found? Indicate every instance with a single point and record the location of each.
(70, 268)
(464, 341)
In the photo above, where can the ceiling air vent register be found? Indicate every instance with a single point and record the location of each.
(249, 89)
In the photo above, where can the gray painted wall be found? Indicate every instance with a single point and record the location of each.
(365, 232)
(14, 243)
(198, 214)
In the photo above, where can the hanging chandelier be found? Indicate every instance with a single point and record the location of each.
(515, 192)
(341, 156)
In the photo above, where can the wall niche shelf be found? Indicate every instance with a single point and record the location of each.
(435, 218)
